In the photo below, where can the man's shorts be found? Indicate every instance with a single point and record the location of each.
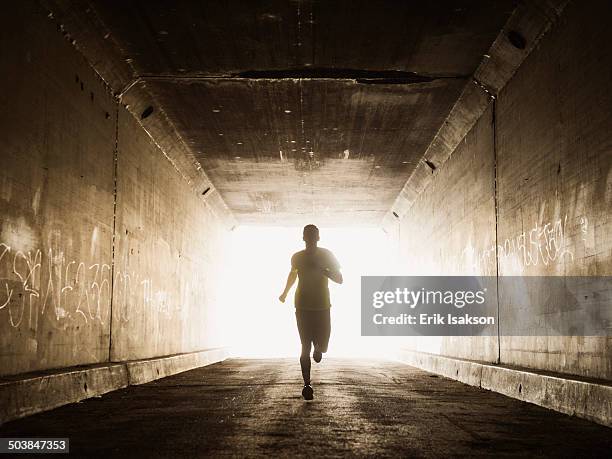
(314, 327)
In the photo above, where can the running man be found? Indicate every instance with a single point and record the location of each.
(312, 267)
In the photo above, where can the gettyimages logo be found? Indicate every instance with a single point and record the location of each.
(412, 298)
(486, 306)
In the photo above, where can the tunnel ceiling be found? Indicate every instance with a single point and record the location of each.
(305, 110)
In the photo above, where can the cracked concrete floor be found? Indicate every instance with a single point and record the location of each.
(361, 408)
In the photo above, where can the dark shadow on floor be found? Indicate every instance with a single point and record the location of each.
(361, 408)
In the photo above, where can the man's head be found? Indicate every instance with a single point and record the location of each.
(311, 234)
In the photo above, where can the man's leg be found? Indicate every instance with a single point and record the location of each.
(304, 325)
(322, 336)
(307, 391)
(305, 363)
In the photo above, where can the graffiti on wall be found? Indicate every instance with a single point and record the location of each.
(541, 245)
(36, 283)
(71, 288)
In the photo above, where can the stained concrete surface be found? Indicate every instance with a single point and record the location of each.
(554, 168)
(166, 238)
(527, 193)
(224, 37)
(92, 210)
(57, 128)
(328, 149)
(304, 140)
(361, 408)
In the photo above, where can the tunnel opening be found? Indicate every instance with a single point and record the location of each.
(257, 264)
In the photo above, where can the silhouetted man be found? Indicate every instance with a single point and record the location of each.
(312, 267)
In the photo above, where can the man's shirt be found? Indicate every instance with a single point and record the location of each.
(313, 291)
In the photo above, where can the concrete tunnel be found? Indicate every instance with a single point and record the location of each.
(159, 160)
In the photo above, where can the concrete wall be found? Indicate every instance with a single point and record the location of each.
(451, 225)
(553, 165)
(168, 255)
(554, 146)
(59, 133)
(56, 200)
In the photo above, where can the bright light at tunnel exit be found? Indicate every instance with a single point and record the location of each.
(258, 325)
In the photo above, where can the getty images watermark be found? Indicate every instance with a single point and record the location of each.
(486, 306)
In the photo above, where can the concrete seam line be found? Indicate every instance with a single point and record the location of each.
(114, 235)
(496, 214)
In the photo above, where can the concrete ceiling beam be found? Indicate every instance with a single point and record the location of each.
(520, 35)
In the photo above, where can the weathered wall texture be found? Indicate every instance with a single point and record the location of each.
(58, 137)
(56, 200)
(168, 255)
(554, 191)
(449, 227)
(554, 142)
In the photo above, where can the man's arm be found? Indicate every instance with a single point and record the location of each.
(334, 274)
(290, 281)
(333, 270)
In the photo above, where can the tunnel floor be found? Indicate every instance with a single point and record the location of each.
(361, 408)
